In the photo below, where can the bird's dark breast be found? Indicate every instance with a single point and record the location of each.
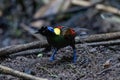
(59, 41)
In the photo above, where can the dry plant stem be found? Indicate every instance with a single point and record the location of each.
(41, 44)
(109, 69)
(98, 6)
(111, 42)
(27, 52)
(9, 71)
(17, 48)
(102, 37)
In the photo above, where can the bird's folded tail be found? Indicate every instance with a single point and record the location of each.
(82, 33)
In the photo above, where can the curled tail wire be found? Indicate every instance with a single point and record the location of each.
(82, 33)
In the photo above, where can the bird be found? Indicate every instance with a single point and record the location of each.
(59, 37)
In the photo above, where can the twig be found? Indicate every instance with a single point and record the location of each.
(108, 69)
(17, 48)
(98, 6)
(9, 71)
(101, 37)
(27, 52)
(103, 43)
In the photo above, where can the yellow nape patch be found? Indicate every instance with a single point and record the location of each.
(57, 31)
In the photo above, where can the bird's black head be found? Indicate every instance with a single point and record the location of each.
(46, 31)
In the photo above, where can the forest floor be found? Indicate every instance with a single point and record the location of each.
(101, 63)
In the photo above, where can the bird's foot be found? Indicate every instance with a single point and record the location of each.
(74, 59)
(52, 58)
(27, 71)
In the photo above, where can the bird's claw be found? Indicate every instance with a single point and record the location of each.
(27, 71)
(74, 59)
(51, 58)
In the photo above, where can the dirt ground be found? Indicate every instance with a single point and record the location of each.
(89, 66)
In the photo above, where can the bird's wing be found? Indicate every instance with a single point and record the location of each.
(65, 31)
(68, 31)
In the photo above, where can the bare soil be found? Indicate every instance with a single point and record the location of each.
(89, 66)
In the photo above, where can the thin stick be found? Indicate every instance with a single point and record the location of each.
(9, 71)
(98, 6)
(101, 37)
(108, 69)
(27, 52)
(17, 48)
(111, 42)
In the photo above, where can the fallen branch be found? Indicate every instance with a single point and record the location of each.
(101, 37)
(109, 69)
(9, 71)
(98, 6)
(27, 52)
(41, 44)
(103, 43)
(17, 48)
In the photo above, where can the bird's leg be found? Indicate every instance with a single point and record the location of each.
(52, 57)
(74, 54)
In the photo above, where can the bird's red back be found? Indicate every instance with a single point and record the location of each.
(67, 31)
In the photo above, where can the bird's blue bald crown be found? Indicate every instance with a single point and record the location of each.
(50, 28)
